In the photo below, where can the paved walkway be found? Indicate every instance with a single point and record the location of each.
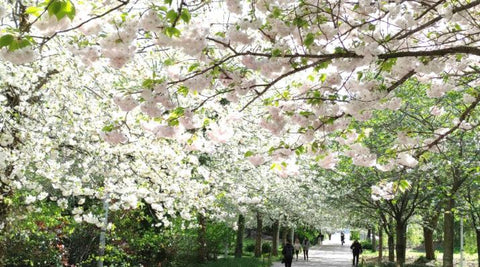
(331, 253)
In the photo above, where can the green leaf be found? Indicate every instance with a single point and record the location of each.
(54, 8)
(193, 67)
(168, 2)
(277, 12)
(172, 31)
(300, 150)
(34, 10)
(322, 65)
(108, 128)
(248, 154)
(6, 40)
(276, 52)
(404, 185)
(69, 10)
(340, 50)
(171, 15)
(185, 16)
(309, 39)
(173, 122)
(183, 90)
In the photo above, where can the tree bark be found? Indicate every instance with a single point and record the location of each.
(369, 235)
(284, 236)
(401, 240)
(258, 239)
(428, 243)
(374, 240)
(391, 244)
(448, 233)
(428, 237)
(276, 231)
(240, 232)
(380, 244)
(202, 239)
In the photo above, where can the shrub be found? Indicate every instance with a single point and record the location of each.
(250, 247)
(366, 244)
(266, 247)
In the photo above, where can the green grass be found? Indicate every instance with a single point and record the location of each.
(412, 255)
(239, 262)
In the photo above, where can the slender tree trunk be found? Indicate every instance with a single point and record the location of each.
(448, 233)
(276, 232)
(258, 239)
(401, 240)
(284, 236)
(380, 244)
(374, 240)
(391, 244)
(202, 239)
(240, 232)
(369, 235)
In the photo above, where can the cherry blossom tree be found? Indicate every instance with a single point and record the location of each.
(114, 100)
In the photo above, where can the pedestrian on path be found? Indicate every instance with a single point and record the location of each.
(342, 238)
(297, 246)
(356, 248)
(305, 247)
(287, 252)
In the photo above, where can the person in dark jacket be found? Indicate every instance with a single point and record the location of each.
(356, 248)
(287, 252)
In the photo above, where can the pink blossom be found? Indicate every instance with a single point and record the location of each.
(256, 160)
(126, 103)
(220, 134)
(114, 137)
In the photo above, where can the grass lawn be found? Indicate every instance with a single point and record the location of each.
(470, 260)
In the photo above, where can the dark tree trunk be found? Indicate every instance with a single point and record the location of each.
(428, 242)
(374, 240)
(202, 239)
(369, 235)
(428, 237)
(240, 232)
(276, 232)
(284, 236)
(448, 233)
(258, 239)
(380, 244)
(401, 246)
(391, 244)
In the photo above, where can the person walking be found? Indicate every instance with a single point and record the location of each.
(287, 252)
(356, 248)
(297, 246)
(305, 247)
(342, 238)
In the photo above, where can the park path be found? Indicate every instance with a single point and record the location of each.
(331, 253)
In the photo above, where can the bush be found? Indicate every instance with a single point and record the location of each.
(266, 247)
(250, 247)
(366, 244)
